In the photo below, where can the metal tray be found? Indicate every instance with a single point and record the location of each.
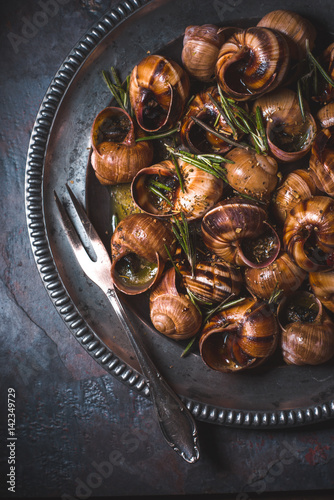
(275, 396)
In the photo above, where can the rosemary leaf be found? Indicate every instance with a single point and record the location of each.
(159, 136)
(219, 135)
(158, 193)
(300, 100)
(316, 63)
(112, 88)
(222, 306)
(172, 260)
(178, 172)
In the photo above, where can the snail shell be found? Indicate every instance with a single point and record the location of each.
(322, 161)
(201, 191)
(139, 243)
(240, 337)
(116, 156)
(308, 234)
(282, 275)
(158, 90)
(289, 136)
(201, 45)
(236, 230)
(325, 115)
(251, 173)
(252, 62)
(193, 136)
(213, 280)
(172, 312)
(296, 29)
(322, 284)
(297, 186)
(307, 340)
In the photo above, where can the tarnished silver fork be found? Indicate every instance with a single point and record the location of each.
(175, 420)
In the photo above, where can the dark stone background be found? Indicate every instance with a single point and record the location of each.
(81, 433)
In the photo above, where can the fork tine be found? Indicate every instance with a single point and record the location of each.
(72, 234)
(92, 234)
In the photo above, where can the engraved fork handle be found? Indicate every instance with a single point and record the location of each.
(175, 420)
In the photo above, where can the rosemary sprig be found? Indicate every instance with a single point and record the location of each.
(159, 136)
(172, 260)
(225, 116)
(117, 89)
(224, 137)
(159, 185)
(222, 306)
(210, 163)
(245, 122)
(316, 63)
(178, 172)
(181, 232)
(275, 295)
(301, 100)
(158, 193)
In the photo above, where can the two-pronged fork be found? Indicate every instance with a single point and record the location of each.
(175, 420)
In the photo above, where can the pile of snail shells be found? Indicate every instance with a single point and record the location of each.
(279, 203)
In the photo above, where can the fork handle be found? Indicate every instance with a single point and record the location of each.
(175, 420)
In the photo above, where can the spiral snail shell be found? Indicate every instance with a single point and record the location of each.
(201, 190)
(289, 134)
(322, 284)
(325, 115)
(138, 251)
(283, 275)
(297, 186)
(251, 173)
(213, 280)
(252, 62)
(158, 90)
(193, 136)
(322, 161)
(201, 45)
(294, 27)
(171, 311)
(308, 234)
(237, 231)
(116, 156)
(240, 337)
(308, 332)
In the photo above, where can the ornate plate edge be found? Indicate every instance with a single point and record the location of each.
(53, 283)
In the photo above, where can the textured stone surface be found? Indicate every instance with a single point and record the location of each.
(80, 432)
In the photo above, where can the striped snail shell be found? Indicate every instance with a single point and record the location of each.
(322, 284)
(138, 251)
(283, 275)
(171, 311)
(251, 173)
(307, 331)
(201, 45)
(116, 156)
(252, 62)
(308, 234)
(201, 190)
(297, 186)
(237, 231)
(322, 161)
(158, 90)
(289, 134)
(240, 337)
